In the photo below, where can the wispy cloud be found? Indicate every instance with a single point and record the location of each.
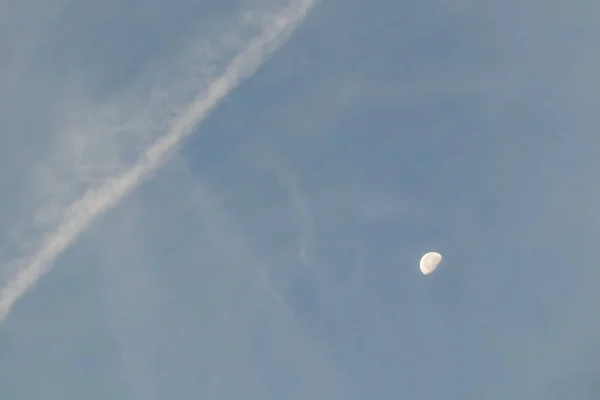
(290, 183)
(276, 29)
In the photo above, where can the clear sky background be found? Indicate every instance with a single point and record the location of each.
(275, 254)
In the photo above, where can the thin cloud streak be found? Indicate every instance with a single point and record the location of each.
(276, 30)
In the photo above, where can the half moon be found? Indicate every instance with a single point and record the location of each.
(429, 262)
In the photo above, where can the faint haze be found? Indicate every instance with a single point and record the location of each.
(276, 254)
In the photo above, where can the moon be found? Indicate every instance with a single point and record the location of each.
(429, 262)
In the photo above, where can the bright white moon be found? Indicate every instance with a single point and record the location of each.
(429, 262)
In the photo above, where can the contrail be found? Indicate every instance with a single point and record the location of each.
(83, 211)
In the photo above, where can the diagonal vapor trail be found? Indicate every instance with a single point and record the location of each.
(94, 202)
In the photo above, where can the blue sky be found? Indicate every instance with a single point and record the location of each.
(270, 249)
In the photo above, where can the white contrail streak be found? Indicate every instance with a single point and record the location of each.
(82, 212)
